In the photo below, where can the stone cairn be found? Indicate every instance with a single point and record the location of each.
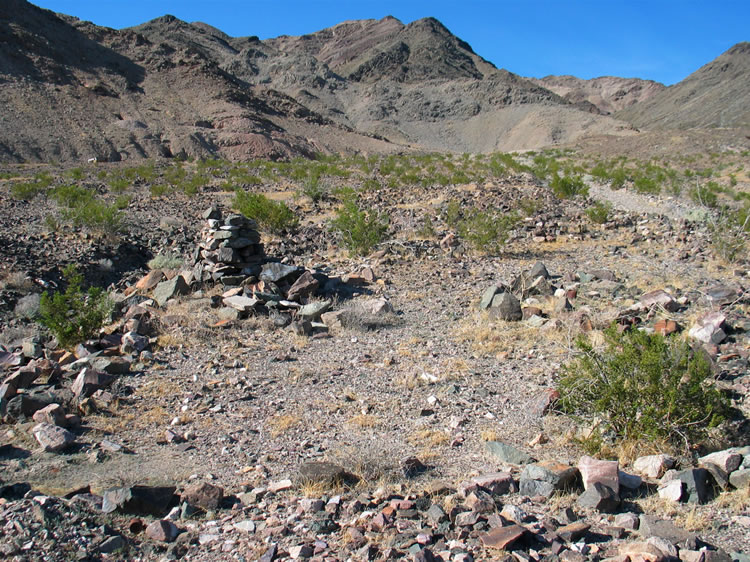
(229, 249)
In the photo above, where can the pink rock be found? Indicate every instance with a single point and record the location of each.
(162, 531)
(52, 414)
(708, 329)
(653, 466)
(660, 298)
(495, 482)
(604, 472)
(53, 438)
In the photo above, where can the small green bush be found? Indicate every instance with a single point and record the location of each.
(26, 191)
(71, 195)
(96, 215)
(487, 231)
(598, 212)
(272, 215)
(567, 187)
(643, 387)
(312, 188)
(360, 229)
(75, 315)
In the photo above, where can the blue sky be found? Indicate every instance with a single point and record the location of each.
(662, 40)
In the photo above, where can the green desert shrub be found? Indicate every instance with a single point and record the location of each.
(361, 230)
(598, 212)
(567, 187)
(26, 191)
(75, 315)
(487, 231)
(643, 387)
(274, 216)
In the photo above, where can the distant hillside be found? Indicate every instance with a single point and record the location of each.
(716, 95)
(72, 90)
(605, 95)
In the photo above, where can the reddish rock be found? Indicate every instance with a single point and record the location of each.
(659, 298)
(502, 537)
(150, 280)
(89, 381)
(304, 286)
(162, 530)
(544, 401)
(53, 438)
(203, 495)
(54, 414)
(665, 327)
(604, 472)
(379, 522)
(495, 482)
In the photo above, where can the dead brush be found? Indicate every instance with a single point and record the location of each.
(16, 281)
(371, 461)
(280, 424)
(494, 338)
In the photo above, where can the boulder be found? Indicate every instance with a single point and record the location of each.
(659, 298)
(138, 500)
(604, 472)
(53, 438)
(709, 328)
(54, 414)
(653, 466)
(90, 380)
(162, 530)
(728, 460)
(599, 497)
(508, 453)
(505, 306)
(170, 289)
(203, 495)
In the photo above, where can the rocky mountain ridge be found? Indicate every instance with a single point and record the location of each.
(605, 94)
(715, 95)
(73, 90)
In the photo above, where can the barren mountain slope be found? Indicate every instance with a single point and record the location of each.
(606, 94)
(716, 95)
(73, 90)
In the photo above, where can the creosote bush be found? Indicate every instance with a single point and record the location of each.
(274, 216)
(598, 212)
(567, 187)
(643, 387)
(360, 229)
(75, 315)
(487, 231)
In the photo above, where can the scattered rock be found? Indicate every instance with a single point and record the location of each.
(599, 497)
(505, 306)
(167, 290)
(138, 500)
(508, 453)
(203, 495)
(162, 530)
(53, 438)
(653, 466)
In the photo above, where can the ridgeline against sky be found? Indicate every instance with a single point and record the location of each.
(662, 41)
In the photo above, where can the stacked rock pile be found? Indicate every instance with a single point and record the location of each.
(229, 249)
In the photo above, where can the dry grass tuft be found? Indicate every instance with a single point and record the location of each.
(429, 438)
(488, 434)
(16, 281)
(496, 338)
(364, 421)
(278, 425)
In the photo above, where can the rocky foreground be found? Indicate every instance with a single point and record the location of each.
(272, 399)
